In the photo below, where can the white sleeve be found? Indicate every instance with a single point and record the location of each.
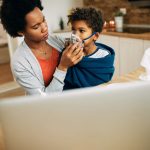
(100, 54)
(57, 83)
(35, 86)
(28, 74)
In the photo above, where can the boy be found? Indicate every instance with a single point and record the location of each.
(97, 65)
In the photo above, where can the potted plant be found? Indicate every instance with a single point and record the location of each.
(61, 24)
(119, 19)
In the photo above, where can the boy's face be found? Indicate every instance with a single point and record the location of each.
(82, 30)
(36, 29)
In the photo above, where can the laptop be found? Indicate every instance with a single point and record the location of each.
(113, 117)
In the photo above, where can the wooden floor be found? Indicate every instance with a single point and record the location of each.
(8, 87)
(5, 73)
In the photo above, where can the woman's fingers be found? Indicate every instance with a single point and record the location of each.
(77, 51)
(73, 47)
(77, 57)
(71, 55)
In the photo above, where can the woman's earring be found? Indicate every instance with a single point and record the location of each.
(20, 34)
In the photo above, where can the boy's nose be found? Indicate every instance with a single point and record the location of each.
(75, 33)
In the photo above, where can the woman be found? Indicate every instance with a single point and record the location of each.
(36, 64)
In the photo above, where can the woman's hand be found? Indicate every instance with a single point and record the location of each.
(71, 56)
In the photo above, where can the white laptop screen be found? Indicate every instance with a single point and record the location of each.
(116, 117)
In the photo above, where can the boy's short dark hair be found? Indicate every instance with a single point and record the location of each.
(90, 15)
(13, 12)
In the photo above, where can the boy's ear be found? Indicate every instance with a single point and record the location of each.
(20, 33)
(97, 34)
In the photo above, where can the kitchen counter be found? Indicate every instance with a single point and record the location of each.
(143, 36)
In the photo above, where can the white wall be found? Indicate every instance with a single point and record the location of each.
(54, 9)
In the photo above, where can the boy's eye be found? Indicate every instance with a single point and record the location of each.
(82, 31)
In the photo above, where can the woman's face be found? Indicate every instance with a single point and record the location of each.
(36, 29)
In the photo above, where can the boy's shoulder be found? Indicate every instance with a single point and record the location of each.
(105, 47)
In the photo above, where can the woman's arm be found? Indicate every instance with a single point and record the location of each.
(33, 83)
(28, 73)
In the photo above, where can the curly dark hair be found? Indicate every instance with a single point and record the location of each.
(13, 12)
(91, 16)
